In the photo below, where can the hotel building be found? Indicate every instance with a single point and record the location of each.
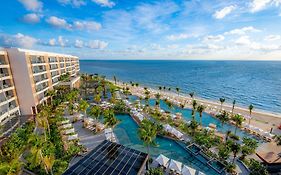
(29, 76)
(9, 106)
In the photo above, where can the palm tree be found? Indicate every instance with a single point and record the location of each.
(51, 94)
(233, 105)
(235, 148)
(223, 117)
(178, 90)
(200, 109)
(222, 100)
(114, 77)
(194, 105)
(95, 112)
(147, 133)
(227, 135)
(83, 106)
(157, 96)
(193, 126)
(109, 117)
(49, 162)
(238, 119)
(191, 94)
(42, 121)
(251, 107)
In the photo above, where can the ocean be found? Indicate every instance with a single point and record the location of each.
(248, 82)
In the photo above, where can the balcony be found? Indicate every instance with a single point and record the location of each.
(41, 79)
(55, 81)
(52, 60)
(55, 74)
(35, 60)
(4, 101)
(42, 87)
(54, 67)
(37, 70)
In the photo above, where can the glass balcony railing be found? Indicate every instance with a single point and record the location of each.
(35, 71)
(41, 87)
(52, 60)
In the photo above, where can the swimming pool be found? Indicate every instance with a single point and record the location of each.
(206, 118)
(126, 132)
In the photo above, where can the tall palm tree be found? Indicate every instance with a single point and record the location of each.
(235, 148)
(223, 117)
(227, 134)
(191, 94)
(178, 90)
(194, 105)
(95, 112)
(49, 162)
(200, 109)
(238, 119)
(233, 105)
(157, 96)
(251, 107)
(222, 100)
(83, 106)
(51, 94)
(147, 133)
(109, 117)
(115, 79)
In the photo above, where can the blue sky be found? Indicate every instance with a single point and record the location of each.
(143, 29)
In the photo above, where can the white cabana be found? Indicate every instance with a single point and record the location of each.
(69, 131)
(72, 137)
(175, 165)
(162, 160)
(186, 170)
(66, 126)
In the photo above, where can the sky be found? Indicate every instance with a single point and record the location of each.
(145, 29)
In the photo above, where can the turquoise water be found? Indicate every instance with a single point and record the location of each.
(206, 118)
(256, 82)
(126, 132)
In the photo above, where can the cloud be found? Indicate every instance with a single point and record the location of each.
(58, 22)
(76, 25)
(242, 31)
(52, 42)
(178, 37)
(104, 3)
(97, 44)
(31, 18)
(18, 40)
(86, 25)
(220, 14)
(258, 5)
(62, 42)
(73, 3)
(79, 43)
(214, 38)
(272, 37)
(32, 5)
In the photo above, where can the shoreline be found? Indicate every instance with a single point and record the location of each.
(260, 118)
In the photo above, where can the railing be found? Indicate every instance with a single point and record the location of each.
(37, 61)
(35, 71)
(41, 79)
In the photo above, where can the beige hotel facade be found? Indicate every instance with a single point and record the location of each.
(27, 75)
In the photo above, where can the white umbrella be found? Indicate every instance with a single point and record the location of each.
(175, 165)
(186, 170)
(162, 160)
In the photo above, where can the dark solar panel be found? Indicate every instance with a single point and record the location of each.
(109, 159)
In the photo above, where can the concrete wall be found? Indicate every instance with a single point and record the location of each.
(18, 64)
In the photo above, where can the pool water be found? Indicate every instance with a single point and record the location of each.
(126, 132)
(206, 118)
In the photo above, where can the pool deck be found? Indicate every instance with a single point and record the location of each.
(261, 119)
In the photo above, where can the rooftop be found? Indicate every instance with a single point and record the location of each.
(110, 158)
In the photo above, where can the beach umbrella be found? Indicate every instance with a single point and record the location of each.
(175, 165)
(162, 160)
(186, 170)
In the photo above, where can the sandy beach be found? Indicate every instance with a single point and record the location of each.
(265, 120)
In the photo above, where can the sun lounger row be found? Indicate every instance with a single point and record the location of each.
(175, 167)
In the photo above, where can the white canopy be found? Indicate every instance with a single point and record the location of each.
(162, 160)
(72, 137)
(186, 170)
(175, 165)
